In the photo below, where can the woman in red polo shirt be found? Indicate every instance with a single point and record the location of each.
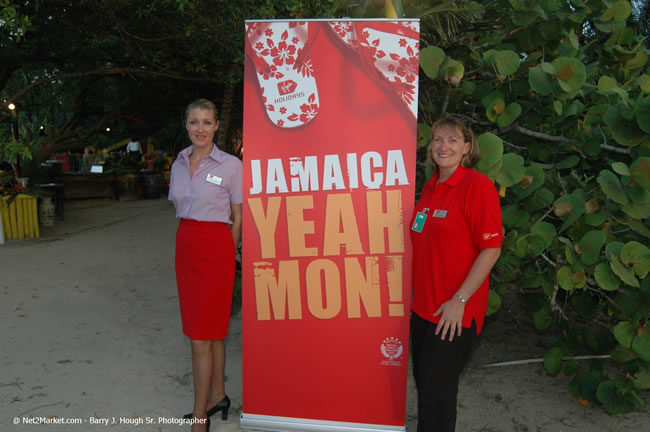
(206, 189)
(456, 235)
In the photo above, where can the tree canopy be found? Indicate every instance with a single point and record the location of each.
(77, 68)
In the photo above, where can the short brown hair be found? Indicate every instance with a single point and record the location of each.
(472, 157)
(203, 104)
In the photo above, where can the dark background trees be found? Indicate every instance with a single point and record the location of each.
(78, 68)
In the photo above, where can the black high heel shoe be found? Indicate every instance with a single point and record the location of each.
(222, 406)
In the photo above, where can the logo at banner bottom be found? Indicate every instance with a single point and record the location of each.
(392, 349)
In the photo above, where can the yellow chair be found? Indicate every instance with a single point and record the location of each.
(20, 218)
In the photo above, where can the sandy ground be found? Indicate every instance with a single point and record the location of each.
(91, 328)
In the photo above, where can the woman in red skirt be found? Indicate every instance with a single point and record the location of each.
(206, 189)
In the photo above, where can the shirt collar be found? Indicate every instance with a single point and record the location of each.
(215, 154)
(455, 178)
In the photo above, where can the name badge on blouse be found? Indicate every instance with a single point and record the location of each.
(213, 179)
(440, 214)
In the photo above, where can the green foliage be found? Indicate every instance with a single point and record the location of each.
(11, 150)
(559, 97)
(619, 396)
(12, 21)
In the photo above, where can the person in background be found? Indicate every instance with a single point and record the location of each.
(87, 160)
(134, 147)
(206, 189)
(456, 235)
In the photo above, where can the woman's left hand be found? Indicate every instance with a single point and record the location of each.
(452, 318)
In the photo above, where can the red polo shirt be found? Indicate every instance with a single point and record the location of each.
(463, 216)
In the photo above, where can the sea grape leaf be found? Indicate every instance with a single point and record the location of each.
(625, 132)
(536, 244)
(565, 278)
(553, 360)
(642, 114)
(548, 68)
(431, 59)
(494, 103)
(540, 199)
(494, 303)
(569, 250)
(605, 278)
(613, 399)
(623, 272)
(636, 210)
(512, 170)
(508, 267)
(424, 134)
(540, 81)
(543, 318)
(569, 162)
(624, 333)
(620, 354)
(636, 255)
(590, 244)
(513, 216)
(618, 11)
(641, 344)
(611, 185)
(571, 73)
(596, 219)
(452, 71)
(510, 114)
(506, 62)
(606, 83)
(491, 147)
(547, 230)
(613, 248)
(645, 83)
(562, 208)
(642, 379)
(621, 169)
(532, 172)
(639, 60)
(570, 214)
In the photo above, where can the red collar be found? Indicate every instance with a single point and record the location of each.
(458, 175)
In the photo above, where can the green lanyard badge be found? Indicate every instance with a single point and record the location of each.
(420, 219)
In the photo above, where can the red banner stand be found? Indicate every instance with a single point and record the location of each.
(330, 129)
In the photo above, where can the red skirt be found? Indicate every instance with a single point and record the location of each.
(205, 274)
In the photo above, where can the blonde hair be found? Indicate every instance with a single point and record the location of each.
(203, 104)
(470, 159)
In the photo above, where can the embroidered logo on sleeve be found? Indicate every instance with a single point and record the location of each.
(488, 236)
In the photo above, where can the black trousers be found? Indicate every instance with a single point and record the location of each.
(437, 366)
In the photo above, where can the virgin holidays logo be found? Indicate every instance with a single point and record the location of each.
(287, 87)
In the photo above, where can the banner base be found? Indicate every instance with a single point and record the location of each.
(274, 423)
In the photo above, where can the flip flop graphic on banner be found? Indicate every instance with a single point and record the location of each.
(388, 51)
(280, 52)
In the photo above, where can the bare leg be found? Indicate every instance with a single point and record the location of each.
(201, 371)
(217, 383)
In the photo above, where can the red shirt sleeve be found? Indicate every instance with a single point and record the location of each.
(485, 214)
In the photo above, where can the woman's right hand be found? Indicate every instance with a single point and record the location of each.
(451, 322)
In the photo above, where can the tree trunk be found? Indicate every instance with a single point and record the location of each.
(224, 120)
